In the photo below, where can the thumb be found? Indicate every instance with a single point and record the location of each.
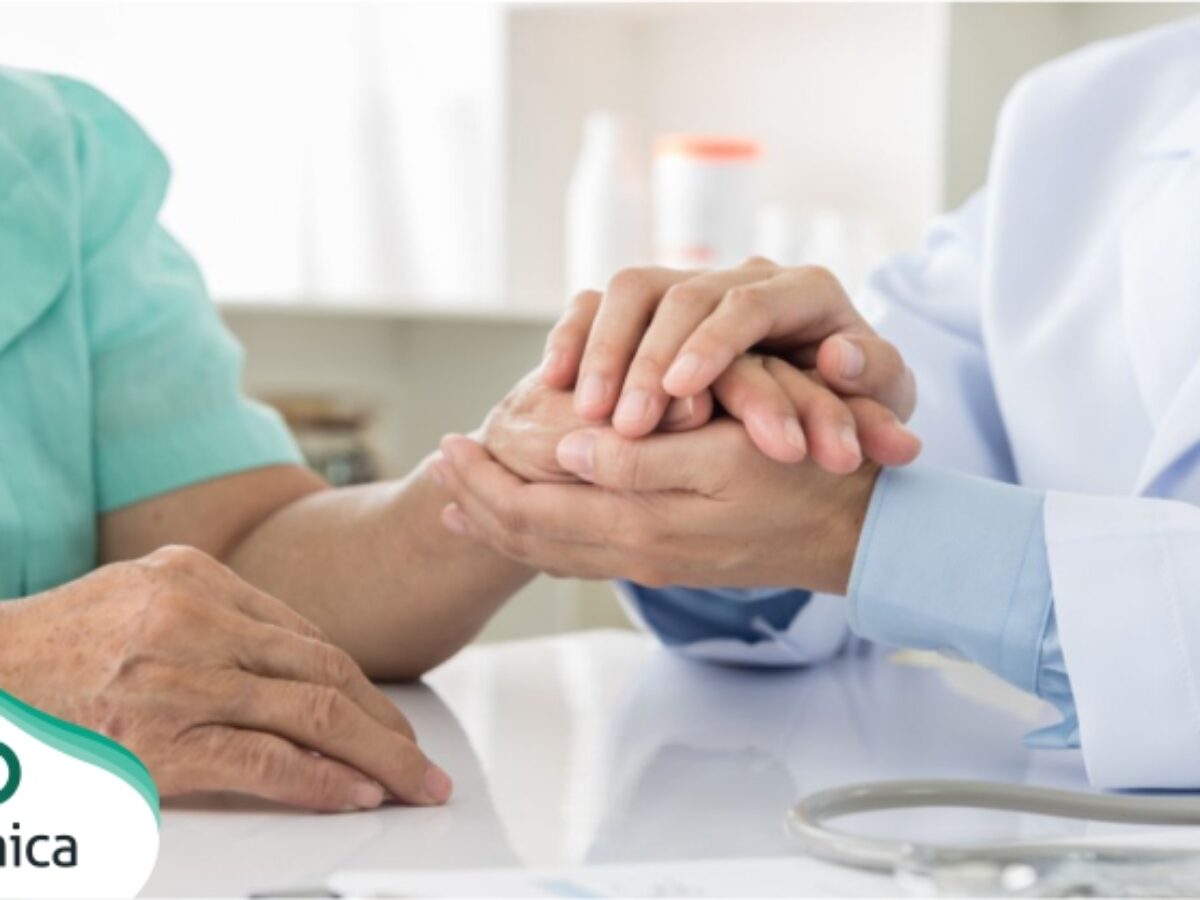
(658, 462)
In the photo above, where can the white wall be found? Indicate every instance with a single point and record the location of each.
(844, 97)
(320, 149)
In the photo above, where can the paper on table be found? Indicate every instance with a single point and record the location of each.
(787, 876)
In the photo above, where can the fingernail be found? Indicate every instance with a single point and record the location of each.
(633, 408)
(437, 784)
(591, 391)
(794, 434)
(366, 795)
(853, 360)
(683, 369)
(849, 440)
(680, 411)
(455, 520)
(575, 452)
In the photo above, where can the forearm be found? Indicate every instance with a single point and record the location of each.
(374, 568)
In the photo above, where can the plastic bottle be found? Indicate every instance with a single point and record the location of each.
(606, 206)
(704, 200)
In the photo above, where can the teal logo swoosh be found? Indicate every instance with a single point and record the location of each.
(14, 772)
(88, 746)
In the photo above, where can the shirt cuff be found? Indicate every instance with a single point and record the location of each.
(1054, 686)
(958, 564)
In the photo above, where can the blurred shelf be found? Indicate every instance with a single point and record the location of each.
(398, 310)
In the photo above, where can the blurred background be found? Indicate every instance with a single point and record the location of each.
(392, 202)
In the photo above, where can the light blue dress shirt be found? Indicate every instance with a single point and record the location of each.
(946, 562)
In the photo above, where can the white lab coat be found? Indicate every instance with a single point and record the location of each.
(1053, 324)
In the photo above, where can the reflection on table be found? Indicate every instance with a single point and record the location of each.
(602, 747)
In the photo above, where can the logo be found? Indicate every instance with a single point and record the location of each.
(14, 851)
(13, 781)
(78, 812)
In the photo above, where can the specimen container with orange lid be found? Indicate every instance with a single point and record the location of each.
(704, 200)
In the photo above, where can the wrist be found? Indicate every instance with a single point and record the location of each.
(19, 628)
(844, 528)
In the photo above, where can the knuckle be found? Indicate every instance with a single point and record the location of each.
(166, 613)
(756, 261)
(583, 302)
(179, 558)
(744, 297)
(323, 710)
(834, 408)
(605, 354)
(563, 334)
(325, 785)
(648, 369)
(630, 282)
(264, 760)
(816, 274)
(511, 515)
(139, 673)
(889, 363)
(776, 367)
(335, 667)
(683, 296)
(624, 463)
(747, 304)
(307, 629)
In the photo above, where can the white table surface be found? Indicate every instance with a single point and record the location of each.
(602, 747)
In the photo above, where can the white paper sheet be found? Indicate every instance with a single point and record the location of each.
(789, 876)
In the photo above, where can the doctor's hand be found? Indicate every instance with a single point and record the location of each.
(215, 685)
(701, 508)
(657, 334)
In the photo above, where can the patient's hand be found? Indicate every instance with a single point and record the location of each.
(214, 684)
(523, 430)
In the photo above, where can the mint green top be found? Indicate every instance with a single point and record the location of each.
(118, 381)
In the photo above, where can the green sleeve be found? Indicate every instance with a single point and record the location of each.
(168, 406)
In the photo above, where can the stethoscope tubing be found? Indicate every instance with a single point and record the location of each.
(806, 821)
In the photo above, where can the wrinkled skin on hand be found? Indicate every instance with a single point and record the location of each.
(214, 685)
(523, 430)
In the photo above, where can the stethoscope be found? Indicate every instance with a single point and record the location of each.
(1013, 870)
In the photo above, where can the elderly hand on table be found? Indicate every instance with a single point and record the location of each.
(215, 685)
(721, 504)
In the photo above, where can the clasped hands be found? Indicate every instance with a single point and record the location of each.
(722, 428)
